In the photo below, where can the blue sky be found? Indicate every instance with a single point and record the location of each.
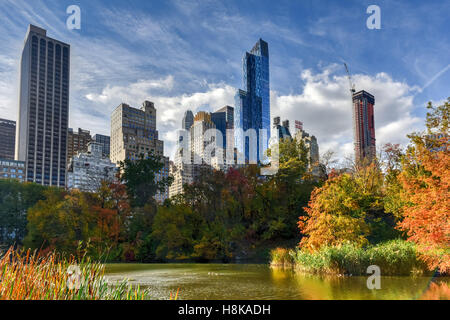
(187, 54)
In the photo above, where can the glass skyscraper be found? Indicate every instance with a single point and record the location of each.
(252, 109)
(41, 139)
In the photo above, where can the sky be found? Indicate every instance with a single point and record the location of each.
(188, 55)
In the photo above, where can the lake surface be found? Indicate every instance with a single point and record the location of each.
(258, 281)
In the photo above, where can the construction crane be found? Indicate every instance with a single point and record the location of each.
(352, 92)
(352, 85)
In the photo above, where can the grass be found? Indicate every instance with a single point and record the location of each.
(27, 275)
(396, 257)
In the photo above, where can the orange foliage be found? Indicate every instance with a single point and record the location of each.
(426, 183)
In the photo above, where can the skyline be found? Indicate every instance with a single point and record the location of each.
(160, 53)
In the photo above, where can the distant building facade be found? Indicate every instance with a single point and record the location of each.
(105, 141)
(199, 142)
(12, 169)
(223, 119)
(87, 170)
(77, 142)
(41, 137)
(282, 128)
(312, 146)
(252, 105)
(133, 133)
(7, 139)
(364, 125)
(188, 120)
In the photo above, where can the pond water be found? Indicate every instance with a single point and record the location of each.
(259, 281)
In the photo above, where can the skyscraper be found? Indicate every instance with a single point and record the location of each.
(188, 120)
(7, 139)
(87, 170)
(252, 110)
(224, 120)
(41, 138)
(282, 128)
(200, 142)
(105, 141)
(77, 142)
(364, 125)
(133, 133)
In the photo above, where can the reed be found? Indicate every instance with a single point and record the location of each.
(281, 257)
(29, 275)
(396, 257)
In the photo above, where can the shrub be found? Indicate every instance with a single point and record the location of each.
(395, 257)
(280, 256)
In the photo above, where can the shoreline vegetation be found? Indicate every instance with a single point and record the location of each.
(395, 258)
(29, 275)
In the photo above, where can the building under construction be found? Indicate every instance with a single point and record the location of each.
(364, 125)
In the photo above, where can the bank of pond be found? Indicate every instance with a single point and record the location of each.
(392, 258)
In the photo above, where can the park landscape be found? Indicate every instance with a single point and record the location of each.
(290, 228)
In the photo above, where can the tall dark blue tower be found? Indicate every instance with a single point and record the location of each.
(253, 104)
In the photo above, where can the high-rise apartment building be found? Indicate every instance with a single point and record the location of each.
(133, 133)
(105, 141)
(41, 136)
(186, 124)
(364, 125)
(7, 139)
(199, 141)
(312, 146)
(77, 142)
(12, 169)
(224, 122)
(87, 170)
(188, 120)
(252, 110)
(282, 128)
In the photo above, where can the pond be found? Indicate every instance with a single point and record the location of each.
(259, 281)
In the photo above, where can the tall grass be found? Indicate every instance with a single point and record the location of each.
(27, 275)
(396, 257)
(281, 257)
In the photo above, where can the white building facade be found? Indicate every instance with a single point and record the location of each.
(87, 170)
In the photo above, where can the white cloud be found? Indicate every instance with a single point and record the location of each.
(324, 106)
(170, 108)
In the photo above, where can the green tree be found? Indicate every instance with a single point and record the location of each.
(15, 199)
(61, 221)
(139, 177)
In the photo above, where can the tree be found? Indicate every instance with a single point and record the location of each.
(61, 221)
(347, 208)
(425, 179)
(15, 199)
(139, 177)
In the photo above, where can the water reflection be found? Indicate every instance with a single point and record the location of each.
(253, 281)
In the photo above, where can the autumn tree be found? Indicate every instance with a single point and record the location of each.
(347, 208)
(425, 179)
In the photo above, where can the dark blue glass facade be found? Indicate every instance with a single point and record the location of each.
(253, 105)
